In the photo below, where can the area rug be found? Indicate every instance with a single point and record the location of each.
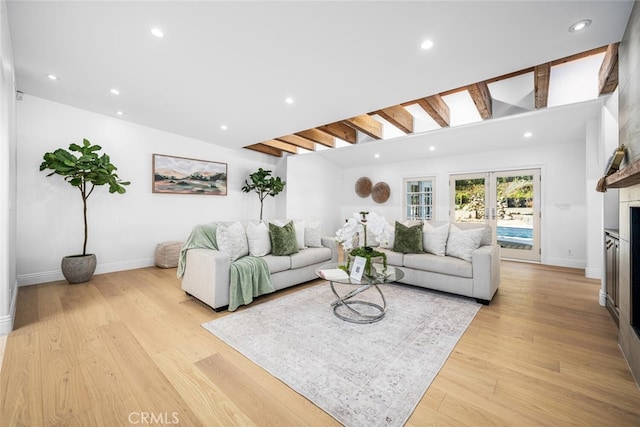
(360, 374)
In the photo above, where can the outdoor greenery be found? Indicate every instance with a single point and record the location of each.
(85, 171)
(512, 192)
(264, 184)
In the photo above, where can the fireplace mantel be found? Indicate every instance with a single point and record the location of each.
(626, 177)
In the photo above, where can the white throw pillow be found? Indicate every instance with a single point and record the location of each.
(258, 239)
(312, 235)
(299, 225)
(434, 240)
(232, 240)
(462, 243)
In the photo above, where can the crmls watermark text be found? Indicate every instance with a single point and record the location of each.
(153, 418)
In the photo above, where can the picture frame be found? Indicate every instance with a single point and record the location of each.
(357, 269)
(183, 175)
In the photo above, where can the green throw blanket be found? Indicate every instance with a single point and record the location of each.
(250, 275)
(202, 236)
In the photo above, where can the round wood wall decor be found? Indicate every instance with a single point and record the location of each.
(380, 192)
(363, 186)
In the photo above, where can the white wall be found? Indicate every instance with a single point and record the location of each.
(8, 280)
(314, 191)
(563, 194)
(123, 229)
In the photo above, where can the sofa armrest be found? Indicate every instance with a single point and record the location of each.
(486, 271)
(330, 242)
(206, 276)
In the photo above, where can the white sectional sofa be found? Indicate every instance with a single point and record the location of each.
(207, 271)
(478, 277)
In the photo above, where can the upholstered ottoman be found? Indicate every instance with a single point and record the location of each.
(167, 254)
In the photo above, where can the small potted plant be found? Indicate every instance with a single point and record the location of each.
(264, 184)
(357, 225)
(85, 171)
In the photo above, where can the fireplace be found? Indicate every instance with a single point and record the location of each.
(634, 243)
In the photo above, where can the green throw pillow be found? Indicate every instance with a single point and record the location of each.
(408, 240)
(283, 239)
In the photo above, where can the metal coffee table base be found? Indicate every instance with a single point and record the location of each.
(355, 307)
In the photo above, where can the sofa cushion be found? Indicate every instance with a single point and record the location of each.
(283, 239)
(435, 238)
(408, 240)
(487, 234)
(438, 264)
(310, 256)
(277, 263)
(393, 258)
(258, 238)
(299, 227)
(232, 240)
(462, 243)
(312, 235)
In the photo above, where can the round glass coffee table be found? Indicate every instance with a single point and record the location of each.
(357, 310)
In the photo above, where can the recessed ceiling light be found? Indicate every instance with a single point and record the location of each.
(115, 91)
(427, 44)
(289, 100)
(223, 127)
(52, 77)
(580, 25)
(120, 113)
(157, 32)
(377, 156)
(432, 148)
(528, 134)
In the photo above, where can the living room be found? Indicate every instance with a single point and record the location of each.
(126, 229)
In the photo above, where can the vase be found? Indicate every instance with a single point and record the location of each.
(78, 268)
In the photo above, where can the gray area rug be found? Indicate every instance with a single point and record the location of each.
(361, 374)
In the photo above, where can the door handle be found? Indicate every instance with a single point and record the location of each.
(493, 213)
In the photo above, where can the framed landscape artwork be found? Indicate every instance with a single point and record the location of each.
(180, 175)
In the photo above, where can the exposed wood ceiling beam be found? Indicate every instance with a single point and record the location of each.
(580, 55)
(366, 124)
(608, 74)
(265, 149)
(298, 141)
(341, 130)
(283, 146)
(318, 136)
(482, 98)
(435, 107)
(541, 77)
(398, 117)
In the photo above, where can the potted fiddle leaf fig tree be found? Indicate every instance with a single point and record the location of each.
(84, 171)
(264, 184)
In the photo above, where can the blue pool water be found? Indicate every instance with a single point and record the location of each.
(520, 233)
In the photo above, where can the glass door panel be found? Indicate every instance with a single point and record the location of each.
(507, 201)
(469, 198)
(516, 213)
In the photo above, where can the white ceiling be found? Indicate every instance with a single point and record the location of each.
(234, 63)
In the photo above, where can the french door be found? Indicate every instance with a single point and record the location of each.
(508, 201)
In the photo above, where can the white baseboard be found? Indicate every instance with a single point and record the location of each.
(53, 276)
(593, 273)
(565, 262)
(602, 298)
(6, 322)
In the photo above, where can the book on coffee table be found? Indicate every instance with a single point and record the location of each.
(334, 274)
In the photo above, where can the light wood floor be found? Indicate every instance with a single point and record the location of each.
(127, 349)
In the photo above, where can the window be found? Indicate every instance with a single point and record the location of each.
(418, 200)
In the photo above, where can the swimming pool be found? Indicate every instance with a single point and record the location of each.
(506, 233)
